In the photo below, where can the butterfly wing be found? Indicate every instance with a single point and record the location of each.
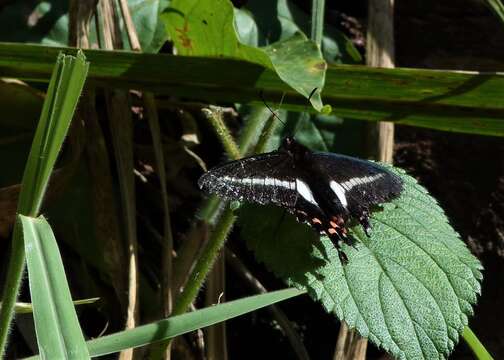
(359, 184)
(263, 179)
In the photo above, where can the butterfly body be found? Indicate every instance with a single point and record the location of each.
(324, 189)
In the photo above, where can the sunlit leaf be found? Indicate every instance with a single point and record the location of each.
(408, 288)
(59, 335)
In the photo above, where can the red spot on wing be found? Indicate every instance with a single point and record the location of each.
(333, 224)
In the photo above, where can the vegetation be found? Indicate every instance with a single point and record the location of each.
(116, 138)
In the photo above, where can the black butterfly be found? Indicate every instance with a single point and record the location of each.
(324, 189)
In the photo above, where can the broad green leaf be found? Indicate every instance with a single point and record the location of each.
(260, 23)
(443, 100)
(197, 29)
(408, 288)
(58, 332)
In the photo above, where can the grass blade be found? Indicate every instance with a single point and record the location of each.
(178, 325)
(497, 7)
(58, 331)
(65, 86)
(181, 324)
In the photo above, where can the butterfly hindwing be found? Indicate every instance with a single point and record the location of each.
(263, 179)
(359, 184)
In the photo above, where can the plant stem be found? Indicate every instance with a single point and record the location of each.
(253, 126)
(475, 345)
(268, 130)
(11, 287)
(317, 29)
(214, 115)
(205, 262)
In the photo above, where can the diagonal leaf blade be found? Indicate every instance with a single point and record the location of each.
(409, 287)
(58, 332)
(181, 324)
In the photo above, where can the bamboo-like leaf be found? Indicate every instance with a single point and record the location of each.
(58, 332)
(445, 100)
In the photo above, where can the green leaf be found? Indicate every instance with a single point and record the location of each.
(443, 100)
(260, 23)
(64, 90)
(197, 29)
(65, 86)
(408, 288)
(182, 324)
(58, 332)
(497, 7)
(150, 29)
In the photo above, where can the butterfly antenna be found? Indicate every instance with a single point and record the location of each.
(275, 115)
(304, 114)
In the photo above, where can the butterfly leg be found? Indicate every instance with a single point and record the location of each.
(364, 221)
(336, 239)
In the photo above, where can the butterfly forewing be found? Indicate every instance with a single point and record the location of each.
(266, 178)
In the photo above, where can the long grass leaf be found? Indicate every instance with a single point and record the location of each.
(58, 331)
(178, 325)
(65, 86)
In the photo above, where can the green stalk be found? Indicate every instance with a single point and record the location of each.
(205, 262)
(266, 134)
(12, 284)
(252, 128)
(475, 345)
(214, 115)
(317, 29)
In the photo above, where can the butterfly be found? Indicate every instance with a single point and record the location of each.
(325, 190)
